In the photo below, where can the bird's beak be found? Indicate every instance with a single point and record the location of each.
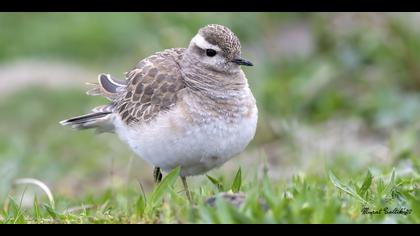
(241, 61)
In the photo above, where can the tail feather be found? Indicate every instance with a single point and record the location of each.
(107, 87)
(101, 117)
(99, 120)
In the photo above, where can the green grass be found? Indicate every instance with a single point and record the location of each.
(302, 200)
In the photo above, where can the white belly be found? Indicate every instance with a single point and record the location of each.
(170, 141)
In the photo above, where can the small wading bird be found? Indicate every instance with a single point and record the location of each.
(188, 107)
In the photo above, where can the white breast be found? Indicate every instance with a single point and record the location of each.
(171, 140)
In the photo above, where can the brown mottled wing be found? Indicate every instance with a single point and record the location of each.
(152, 87)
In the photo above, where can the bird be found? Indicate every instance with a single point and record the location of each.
(182, 107)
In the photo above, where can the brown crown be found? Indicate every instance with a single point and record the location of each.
(223, 37)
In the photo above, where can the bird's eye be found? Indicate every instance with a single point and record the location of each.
(211, 52)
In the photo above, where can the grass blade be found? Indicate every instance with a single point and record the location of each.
(268, 192)
(37, 210)
(346, 188)
(216, 182)
(391, 183)
(50, 211)
(16, 212)
(366, 184)
(140, 205)
(167, 182)
(237, 182)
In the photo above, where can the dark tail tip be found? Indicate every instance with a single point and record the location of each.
(84, 118)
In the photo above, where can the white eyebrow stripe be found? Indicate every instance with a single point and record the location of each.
(203, 44)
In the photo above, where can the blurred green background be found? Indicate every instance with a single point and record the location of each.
(333, 89)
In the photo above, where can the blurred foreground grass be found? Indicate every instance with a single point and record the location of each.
(304, 199)
(336, 92)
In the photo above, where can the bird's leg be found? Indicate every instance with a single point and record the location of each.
(187, 191)
(157, 175)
